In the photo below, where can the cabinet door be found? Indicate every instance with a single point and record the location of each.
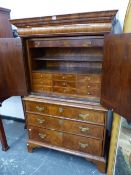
(12, 74)
(116, 79)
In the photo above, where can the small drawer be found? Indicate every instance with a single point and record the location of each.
(65, 90)
(40, 81)
(47, 136)
(83, 144)
(64, 76)
(65, 84)
(36, 107)
(41, 88)
(38, 75)
(89, 78)
(89, 91)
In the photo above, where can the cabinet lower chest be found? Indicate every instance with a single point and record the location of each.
(66, 126)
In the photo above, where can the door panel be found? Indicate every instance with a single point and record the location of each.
(12, 74)
(116, 78)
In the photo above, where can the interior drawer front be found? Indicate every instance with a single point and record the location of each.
(36, 107)
(65, 84)
(89, 78)
(41, 81)
(41, 75)
(65, 90)
(47, 136)
(65, 125)
(89, 92)
(63, 76)
(41, 88)
(67, 42)
(83, 144)
(77, 113)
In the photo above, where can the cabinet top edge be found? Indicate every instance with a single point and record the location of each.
(74, 18)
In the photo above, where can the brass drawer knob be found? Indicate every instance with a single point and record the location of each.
(61, 110)
(42, 136)
(63, 77)
(89, 93)
(64, 84)
(84, 116)
(83, 129)
(41, 121)
(40, 109)
(83, 146)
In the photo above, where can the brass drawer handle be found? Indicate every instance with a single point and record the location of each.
(61, 110)
(42, 136)
(82, 129)
(83, 116)
(40, 109)
(40, 120)
(83, 146)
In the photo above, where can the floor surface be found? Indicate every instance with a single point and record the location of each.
(43, 161)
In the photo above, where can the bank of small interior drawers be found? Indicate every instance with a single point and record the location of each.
(75, 85)
(77, 128)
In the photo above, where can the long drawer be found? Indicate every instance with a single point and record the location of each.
(69, 141)
(74, 113)
(59, 124)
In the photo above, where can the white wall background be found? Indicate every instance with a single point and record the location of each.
(31, 8)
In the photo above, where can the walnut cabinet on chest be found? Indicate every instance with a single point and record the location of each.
(64, 81)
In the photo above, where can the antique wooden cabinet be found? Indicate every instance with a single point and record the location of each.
(65, 81)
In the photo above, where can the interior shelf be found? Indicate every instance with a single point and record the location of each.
(88, 58)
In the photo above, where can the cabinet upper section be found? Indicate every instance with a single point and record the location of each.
(90, 23)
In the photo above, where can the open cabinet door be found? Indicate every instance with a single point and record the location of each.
(12, 73)
(116, 76)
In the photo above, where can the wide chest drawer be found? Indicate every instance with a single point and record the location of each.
(74, 113)
(69, 141)
(59, 124)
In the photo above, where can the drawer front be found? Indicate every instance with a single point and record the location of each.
(67, 42)
(47, 136)
(41, 81)
(83, 144)
(80, 114)
(89, 92)
(41, 75)
(63, 76)
(77, 113)
(69, 141)
(36, 107)
(65, 125)
(41, 88)
(65, 90)
(65, 84)
(89, 78)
